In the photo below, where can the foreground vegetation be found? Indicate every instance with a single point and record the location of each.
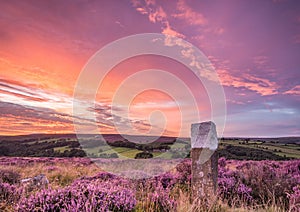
(76, 184)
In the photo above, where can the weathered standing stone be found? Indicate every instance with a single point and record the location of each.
(204, 161)
(38, 182)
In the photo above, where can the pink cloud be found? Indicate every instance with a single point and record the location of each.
(141, 10)
(294, 91)
(169, 31)
(259, 85)
(159, 15)
(187, 14)
(156, 14)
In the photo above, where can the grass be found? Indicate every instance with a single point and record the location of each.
(61, 149)
(130, 153)
(59, 174)
(123, 152)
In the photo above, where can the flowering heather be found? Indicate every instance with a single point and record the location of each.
(9, 193)
(258, 182)
(156, 192)
(81, 196)
(248, 184)
(295, 199)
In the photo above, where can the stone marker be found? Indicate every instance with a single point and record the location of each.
(204, 143)
(38, 182)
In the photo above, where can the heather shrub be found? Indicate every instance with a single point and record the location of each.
(231, 188)
(161, 200)
(9, 176)
(157, 193)
(258, 182)
(81, 196)
(184, 174)
(294, 203)
(9, 193)
(270, 180)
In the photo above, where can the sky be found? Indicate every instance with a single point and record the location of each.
(253, 46)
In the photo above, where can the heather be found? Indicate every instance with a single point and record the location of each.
(79, 185)
(82, 195)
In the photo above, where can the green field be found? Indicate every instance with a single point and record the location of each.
(67, 145)
(287, 149)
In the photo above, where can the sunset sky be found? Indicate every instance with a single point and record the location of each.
(253, 45)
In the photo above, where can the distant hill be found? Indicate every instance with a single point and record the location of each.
(282, 140)
(114, 145)
(107, 137)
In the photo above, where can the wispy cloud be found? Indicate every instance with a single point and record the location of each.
(189, 15)
(156, 14)
(294, 91)
(35, 108)
(19, 119)
(259, 85)
(20, 90)
(30, 95)
(34, 113)
(117, 118)
(167, 30)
